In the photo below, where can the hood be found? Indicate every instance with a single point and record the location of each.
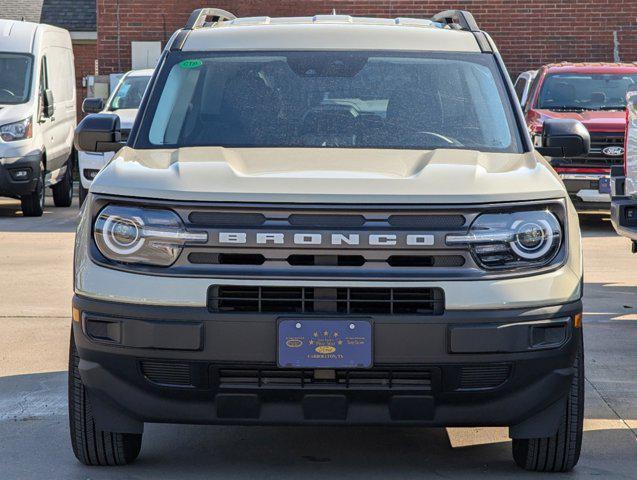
(311, 175)
(14, 113)
(594, 120)
(126, 117)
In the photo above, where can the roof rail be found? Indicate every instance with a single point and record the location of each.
(203, 16)
(461, 19)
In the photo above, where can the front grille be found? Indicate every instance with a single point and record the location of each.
(303, 260)
(167, 373)
(380, 301)
(476, 377)
(333, 242)
(385, 379)
(427, 221)
(595, 157)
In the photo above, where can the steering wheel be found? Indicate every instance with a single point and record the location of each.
(8, 91)
(447, 140)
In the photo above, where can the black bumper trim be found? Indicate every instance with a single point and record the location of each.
(623, 214)
(123, 396)
(11, 187)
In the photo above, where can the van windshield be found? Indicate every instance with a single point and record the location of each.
(594, 91)
(331, 99)
(15, 77)
(129, 93)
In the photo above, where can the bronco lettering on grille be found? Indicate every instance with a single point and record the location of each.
(326, 239)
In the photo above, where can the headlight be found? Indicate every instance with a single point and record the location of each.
(140, 235)
(17, 131)
(513, 240)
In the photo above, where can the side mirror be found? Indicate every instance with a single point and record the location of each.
(92, 105)
(563, 137)
(48, 104)
(99, 132)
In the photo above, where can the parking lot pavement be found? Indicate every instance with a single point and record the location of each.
(35, 292)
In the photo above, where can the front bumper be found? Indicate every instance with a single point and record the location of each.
(19, 176)
(584, 191)
(623, 214)
(91, 163)
(463, 368)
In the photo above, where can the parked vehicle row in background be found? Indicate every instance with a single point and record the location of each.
(624, 179)
(37, 114)
(594, 94)
(124, 102)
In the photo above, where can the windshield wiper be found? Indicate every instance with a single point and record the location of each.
(568, 109)
(612, 107)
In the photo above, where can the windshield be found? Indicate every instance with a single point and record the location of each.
(129, 93)
(331, 99)
(575, 91)
(15, 78)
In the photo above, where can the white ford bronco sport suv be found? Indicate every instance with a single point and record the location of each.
(328, 220)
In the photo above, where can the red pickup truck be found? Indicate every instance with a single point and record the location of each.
(594, 94)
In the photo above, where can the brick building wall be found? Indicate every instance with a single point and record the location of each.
(528, 33)
(85, 55)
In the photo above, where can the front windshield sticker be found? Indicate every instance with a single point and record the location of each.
(191, 63)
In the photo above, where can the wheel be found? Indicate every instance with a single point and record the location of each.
(560, 452)
(83, 193)
(63, 190)
(33, 204)
(90, 445)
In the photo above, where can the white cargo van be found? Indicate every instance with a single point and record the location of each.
(37, 114)
(123, 102)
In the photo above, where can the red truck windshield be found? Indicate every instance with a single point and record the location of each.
(586, 91)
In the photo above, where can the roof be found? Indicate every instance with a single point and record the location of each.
(72, 15)
(16, 36)
(147, 72)
(591, 67)
(330, 32)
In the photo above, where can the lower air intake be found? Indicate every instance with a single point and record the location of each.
(379, 301)
(475, 377)
(167, 373)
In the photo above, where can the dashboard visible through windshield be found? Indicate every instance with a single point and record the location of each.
(334, 99)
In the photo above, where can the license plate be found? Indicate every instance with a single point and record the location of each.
(325, 344)
(604, 185)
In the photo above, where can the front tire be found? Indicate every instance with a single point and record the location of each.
(560, 452)
(83, 193)
(63, 190)
(92, 446)
(33, 204)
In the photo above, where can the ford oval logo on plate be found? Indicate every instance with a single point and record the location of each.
(613, 151)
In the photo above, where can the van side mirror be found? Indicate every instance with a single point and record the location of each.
(48, 104)
(99, 132)
(92, 105)
(562, 137)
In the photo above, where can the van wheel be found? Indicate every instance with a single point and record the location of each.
(83, 193)
(560, 452)
(33, 204)
(91, 446)
(63, 190)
